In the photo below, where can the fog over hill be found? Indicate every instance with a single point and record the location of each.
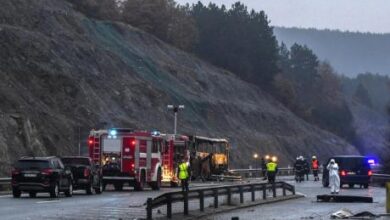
(350, 53)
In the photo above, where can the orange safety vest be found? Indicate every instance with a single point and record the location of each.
(314, 164)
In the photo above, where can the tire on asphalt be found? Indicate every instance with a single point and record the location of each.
(99, 189)
(156, 185)
(118, 186)
(54, 190)
(16, 193)
(139, 186)
(69, 191)
(89, 189)
(32, 194)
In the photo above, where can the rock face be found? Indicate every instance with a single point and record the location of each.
(63, 74)
(371, 129)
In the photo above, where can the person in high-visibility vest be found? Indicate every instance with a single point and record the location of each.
(272, 169)
(314, 167)
(184, 174)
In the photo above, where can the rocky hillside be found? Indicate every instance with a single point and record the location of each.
(62, 72)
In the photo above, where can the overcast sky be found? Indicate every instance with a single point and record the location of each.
(351, 15)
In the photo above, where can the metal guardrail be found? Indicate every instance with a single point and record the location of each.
(200, 194)
(5, 182)
(380, 179)
(246, 173)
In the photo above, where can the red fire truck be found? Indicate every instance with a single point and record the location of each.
(176, 148)
(128, 157)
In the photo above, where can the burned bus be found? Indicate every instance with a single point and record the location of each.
(208, 156)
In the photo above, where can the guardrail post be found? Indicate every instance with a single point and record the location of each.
(264, 191)
(201, 201)
(215, 191)
(388, 197)
(149, 209)
(229, 196)
(293, 190)
(241, 194)
(253, 192)
(169, 206)
(284, 189)
(185, 197)
(273, 190)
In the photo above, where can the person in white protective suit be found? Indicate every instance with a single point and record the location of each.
(334, 178)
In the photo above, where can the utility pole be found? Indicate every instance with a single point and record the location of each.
(175, 109)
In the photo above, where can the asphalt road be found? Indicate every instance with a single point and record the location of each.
(308, 207)
(127, 204)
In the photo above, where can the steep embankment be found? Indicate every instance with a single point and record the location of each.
(61, 71)
(371, 130)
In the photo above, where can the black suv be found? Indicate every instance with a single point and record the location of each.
(41, 174)
(86, 175)
(352, 170)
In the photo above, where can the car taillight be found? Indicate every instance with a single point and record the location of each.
(15, 172)
(87, 172)
(343, 173)
(47, 171)
(370, 172)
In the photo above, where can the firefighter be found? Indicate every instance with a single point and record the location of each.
(315, 167)
(184, 174)
(272, 169)
(306, 168)
(299, 169)
(263, 168)
(334, 178)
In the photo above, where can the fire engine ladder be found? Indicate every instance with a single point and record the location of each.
(96, 150)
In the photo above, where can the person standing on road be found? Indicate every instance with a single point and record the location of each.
(184, 175)
(306, 168)
(314, 167)
(334, 178)
(272, 169)
(299, 169)
(263, 168)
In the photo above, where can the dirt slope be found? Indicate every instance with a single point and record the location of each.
(61, 71)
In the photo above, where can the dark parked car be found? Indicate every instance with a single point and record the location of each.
(85, 174)
(352, 170)
(41, 174)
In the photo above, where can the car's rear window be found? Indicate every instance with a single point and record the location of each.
(352, 163)
(32, 164)
(75, 161)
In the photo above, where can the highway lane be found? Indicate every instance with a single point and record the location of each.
(307, 207)
(127, 204)
(130, 205)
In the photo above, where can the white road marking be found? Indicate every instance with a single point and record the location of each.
(5, 196)
(48, 201)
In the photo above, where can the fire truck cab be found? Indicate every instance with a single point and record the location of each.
(128, 157)
(176, 148)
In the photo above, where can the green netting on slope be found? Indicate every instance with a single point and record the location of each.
(108, 36)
